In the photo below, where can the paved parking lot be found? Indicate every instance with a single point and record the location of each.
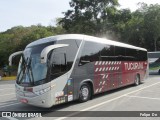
(145, 97)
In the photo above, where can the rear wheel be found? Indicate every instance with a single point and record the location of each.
(84, 93)
(137, 80)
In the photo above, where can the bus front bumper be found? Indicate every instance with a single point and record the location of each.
(43, 100)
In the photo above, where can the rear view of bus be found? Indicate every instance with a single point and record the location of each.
(44, 68)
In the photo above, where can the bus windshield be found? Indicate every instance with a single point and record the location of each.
(31, 71)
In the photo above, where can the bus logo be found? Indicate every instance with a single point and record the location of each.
(133, 66)
(6, 114)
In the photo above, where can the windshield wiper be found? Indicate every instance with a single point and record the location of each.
(22, 69)
(26, 68)
(30, 69)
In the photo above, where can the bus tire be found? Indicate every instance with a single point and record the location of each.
(137, 80)
(159, 71)
(84, 92)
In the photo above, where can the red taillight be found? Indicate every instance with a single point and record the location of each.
(24, 101)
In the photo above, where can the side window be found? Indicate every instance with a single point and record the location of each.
(58, 63)
(90, 52)
(142, 55)
(71, 50)
(131, 54)
(107, 53)
(120, 53)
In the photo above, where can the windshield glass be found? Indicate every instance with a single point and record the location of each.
(31, 71)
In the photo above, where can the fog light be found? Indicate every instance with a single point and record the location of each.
(43, 101)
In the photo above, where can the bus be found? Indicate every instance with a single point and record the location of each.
(63, 68)
(154, 62)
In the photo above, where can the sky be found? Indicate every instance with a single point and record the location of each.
(33, 12)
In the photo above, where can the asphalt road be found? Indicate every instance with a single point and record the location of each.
(145, 97)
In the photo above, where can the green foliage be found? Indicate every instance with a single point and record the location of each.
(92, 17)
(16, 39)
(152, 23)
(102, 18)
(143, 29)
(88, 16)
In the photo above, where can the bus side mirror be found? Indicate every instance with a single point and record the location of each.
(13, 55)
(46, 50)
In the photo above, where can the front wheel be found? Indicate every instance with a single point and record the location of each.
(84, 93)
(137, 80)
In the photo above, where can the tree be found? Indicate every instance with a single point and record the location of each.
(152, 23)
(132, 29)
(17, 38)
(88, 16)
(140, 28)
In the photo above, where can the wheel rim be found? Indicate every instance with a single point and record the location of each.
(85, 92)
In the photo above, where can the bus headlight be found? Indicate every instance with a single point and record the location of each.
(42, 91)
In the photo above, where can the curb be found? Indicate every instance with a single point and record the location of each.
(8, 78)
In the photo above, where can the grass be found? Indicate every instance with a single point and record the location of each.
(9, 78)
(154, 68)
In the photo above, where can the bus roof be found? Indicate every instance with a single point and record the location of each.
(83, 37)
(155, 54)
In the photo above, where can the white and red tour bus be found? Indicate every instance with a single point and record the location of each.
(64, 68)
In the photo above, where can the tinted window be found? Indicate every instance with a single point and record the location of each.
(90, 52)
(107, 53)
(142, 55)
(58, 62)
(136, 55)
(131, 54)
(62, 58)
(71, 50)
(120, 53)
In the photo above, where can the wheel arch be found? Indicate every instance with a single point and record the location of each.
(139, 75)
(136, 83)
(90, 82)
